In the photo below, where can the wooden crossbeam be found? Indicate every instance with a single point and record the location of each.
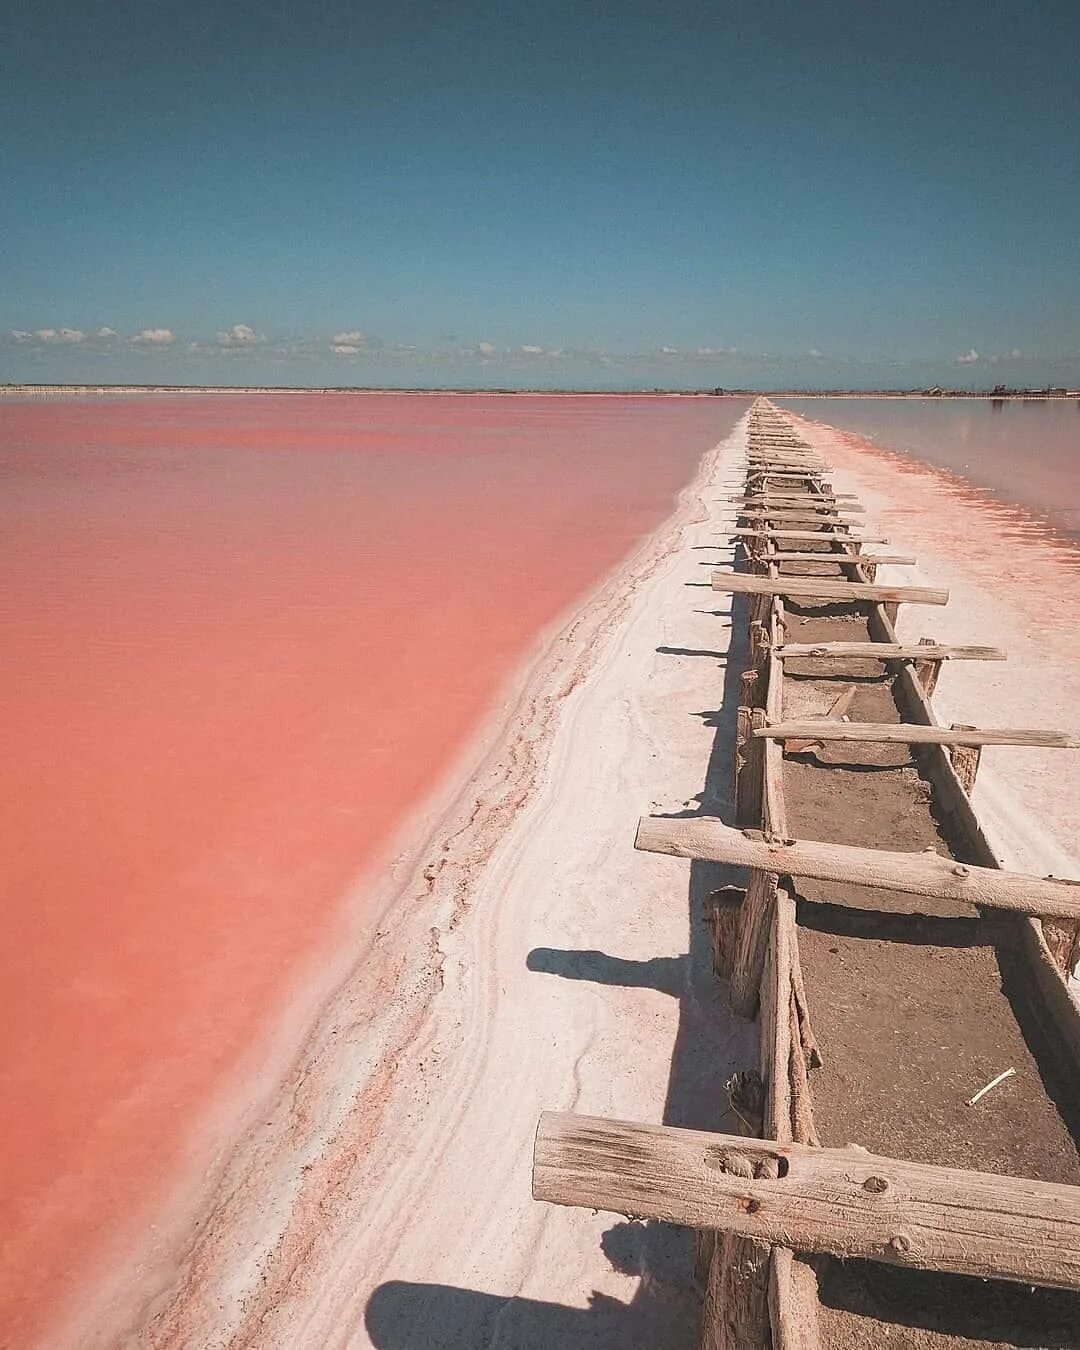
(927, 874)
(912, 733)
(784, 515)
(818, 536)
(825, 588)
(791, 501)
(888, 651)
(839, 1202)
(895, 559)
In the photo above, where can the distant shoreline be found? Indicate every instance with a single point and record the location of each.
(64, 390)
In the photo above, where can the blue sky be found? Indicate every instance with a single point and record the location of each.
(603, 194)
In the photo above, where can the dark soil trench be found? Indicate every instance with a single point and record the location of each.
(916, 1005)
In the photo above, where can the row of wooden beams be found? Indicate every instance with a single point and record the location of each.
(912, 733)
(888, 651)
(826, 588)
(801, 501)
(926, 874)
(838, 1202)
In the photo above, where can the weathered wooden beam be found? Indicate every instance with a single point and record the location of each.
(928, 874)
(825, 588)
(764, 498)
(755, 922)
(825, 536)
(887, 651)
(791, 516)
(914, 733)
(838, 1202)
(845, 559)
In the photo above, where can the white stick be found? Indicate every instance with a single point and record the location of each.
(992, 1084)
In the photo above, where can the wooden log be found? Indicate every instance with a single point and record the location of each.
(913, 733)
(837, 1202)
(827, 588)
(965, 761)
(792, 515)
(927, 668)
(735, 1310)
(793, 1303)
(749, 787)
(764, 498)
(928, 874)
(887, 651)
(816, 536)
(722, 910)
(802, 1111)
(748, 689)
(846, 559)
(1063, 942)
(754, 923)
(811, 1049)
(759, 653)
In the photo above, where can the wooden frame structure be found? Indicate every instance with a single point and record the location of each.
(751, 1224)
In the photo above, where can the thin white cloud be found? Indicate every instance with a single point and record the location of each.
(154, 337)
(814, 353)
(239, 335)
(1016, 353)
(530, 349)
(353, 338)
(345, 349)
(969, 358)
(21, 335)
(106, 333)
(485, 349)
(669, 351)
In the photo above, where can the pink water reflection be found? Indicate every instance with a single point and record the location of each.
(1021, 453)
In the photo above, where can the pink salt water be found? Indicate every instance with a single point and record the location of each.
(1018, 452)
(241, 637)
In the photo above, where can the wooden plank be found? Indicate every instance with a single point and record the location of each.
(887, 651)
(928, 874)
(826, 588)
(824, 536)
(826, 516)
(838, 1202)
(765, 498)
(755, 921)
(914, 733)
(845, 559)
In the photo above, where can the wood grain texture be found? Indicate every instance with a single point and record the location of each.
(889, 651)
(839, 1202)
(912, 733)
(816, 536)
(911, 873)
(825, 588)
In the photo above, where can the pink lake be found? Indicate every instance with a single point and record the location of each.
(242, 637)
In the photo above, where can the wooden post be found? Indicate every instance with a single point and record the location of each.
(965, 759)
(722, 911)
(1063, 940)
(928, 670)
(748, 797)
(754, 925)
(892, 612)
